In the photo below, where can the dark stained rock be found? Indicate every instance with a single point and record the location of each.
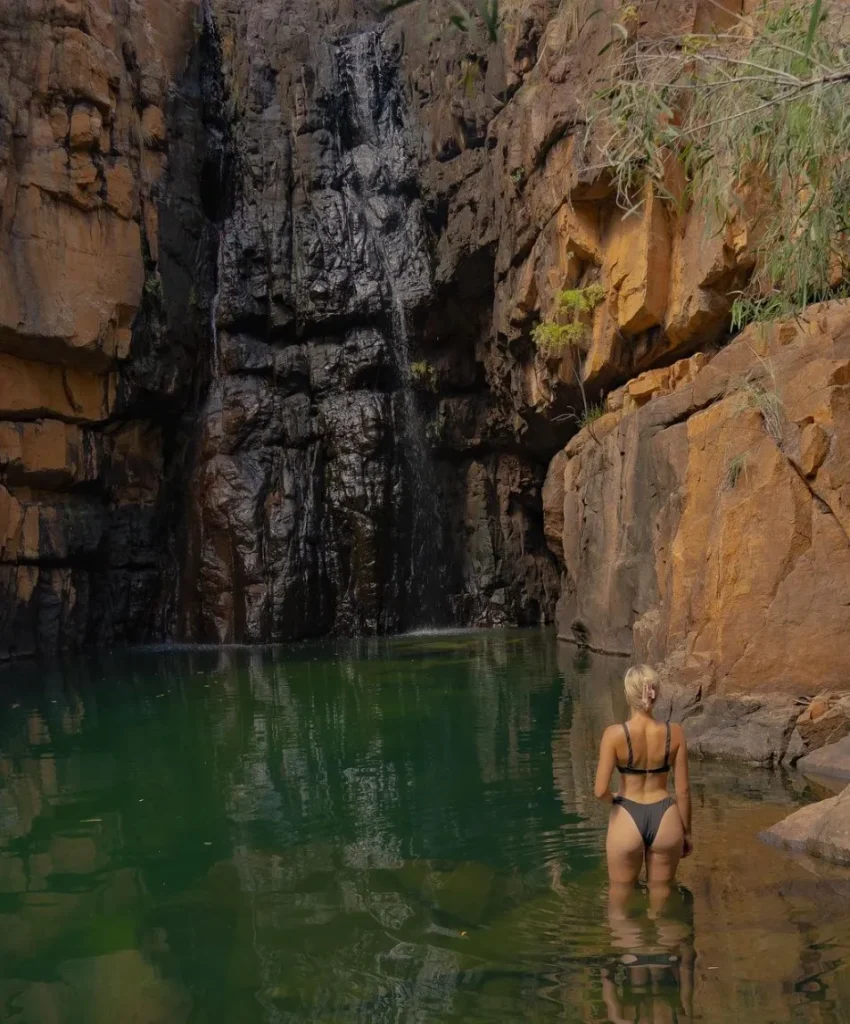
(316, 501)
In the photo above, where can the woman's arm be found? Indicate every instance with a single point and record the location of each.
(605, 768)
(683, 788)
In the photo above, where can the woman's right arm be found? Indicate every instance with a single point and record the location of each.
(605, 768)
(683, 788)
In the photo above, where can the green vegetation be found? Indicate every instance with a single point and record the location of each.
(755, 311)
(758, 120)
(757, 390)
(734, 468)
(591, 414)
(581, 300)
(423, 375)
(153, 287)
(570, 334)
(554, 339)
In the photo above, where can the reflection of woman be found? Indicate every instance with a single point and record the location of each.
(653, 978)
(646, 823)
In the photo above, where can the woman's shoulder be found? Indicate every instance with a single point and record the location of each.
(612, 732)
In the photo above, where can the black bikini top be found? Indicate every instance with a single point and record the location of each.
(629, 768)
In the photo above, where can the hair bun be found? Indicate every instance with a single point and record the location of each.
(641, 687)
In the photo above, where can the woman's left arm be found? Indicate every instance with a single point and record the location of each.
(605, 768)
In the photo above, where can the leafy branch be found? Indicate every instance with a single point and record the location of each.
(757, 119)
(569, 334)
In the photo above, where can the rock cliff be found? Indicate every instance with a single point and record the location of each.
(269, 277)
(100, 227)
(703, 520)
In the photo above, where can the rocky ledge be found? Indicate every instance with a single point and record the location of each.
(765, 729)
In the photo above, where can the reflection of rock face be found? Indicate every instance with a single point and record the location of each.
(724, 548)
(401, 830)
(595, 695)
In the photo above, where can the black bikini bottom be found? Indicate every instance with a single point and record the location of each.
(647, 817)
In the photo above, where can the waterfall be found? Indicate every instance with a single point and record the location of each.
(216, 168)
(215, 358)
(379, 172)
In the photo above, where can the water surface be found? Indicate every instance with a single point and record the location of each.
(396, 830)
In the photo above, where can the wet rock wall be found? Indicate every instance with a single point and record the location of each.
(354, 471)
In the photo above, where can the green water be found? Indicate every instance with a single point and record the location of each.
(381, 831)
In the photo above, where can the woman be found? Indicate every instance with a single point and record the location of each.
(646, 824)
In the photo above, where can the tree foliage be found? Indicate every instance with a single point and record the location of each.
(752, 122)
(570, 330)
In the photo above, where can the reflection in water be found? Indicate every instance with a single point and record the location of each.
(653, 978)
(383, 831)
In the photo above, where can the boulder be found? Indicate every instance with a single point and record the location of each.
(825, 721)
(831, 761)
(748, 729)
(820, 830)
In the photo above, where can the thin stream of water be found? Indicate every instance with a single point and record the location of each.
(361, 64)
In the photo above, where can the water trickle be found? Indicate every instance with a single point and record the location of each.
(377, 187)
(215, 359)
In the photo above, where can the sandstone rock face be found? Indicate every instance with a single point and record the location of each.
(821, 829)
(707, 528)
(404, 204)
(84, 170)
(269, 274)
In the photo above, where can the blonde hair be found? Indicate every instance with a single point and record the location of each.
(641, 686)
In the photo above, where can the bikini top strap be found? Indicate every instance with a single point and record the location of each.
(631, 759)
(667, 747)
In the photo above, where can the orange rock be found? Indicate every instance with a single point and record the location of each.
(640, 390)
(86, 125)
(46, 453)
(122, 190)
(153, 127)
(814, 447)
(30, 389)
(637, 265)
(78, 297)
(692, 522)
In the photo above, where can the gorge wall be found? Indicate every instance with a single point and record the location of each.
(269, 274)
(101, 242)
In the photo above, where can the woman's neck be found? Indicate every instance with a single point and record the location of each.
(638, 714)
